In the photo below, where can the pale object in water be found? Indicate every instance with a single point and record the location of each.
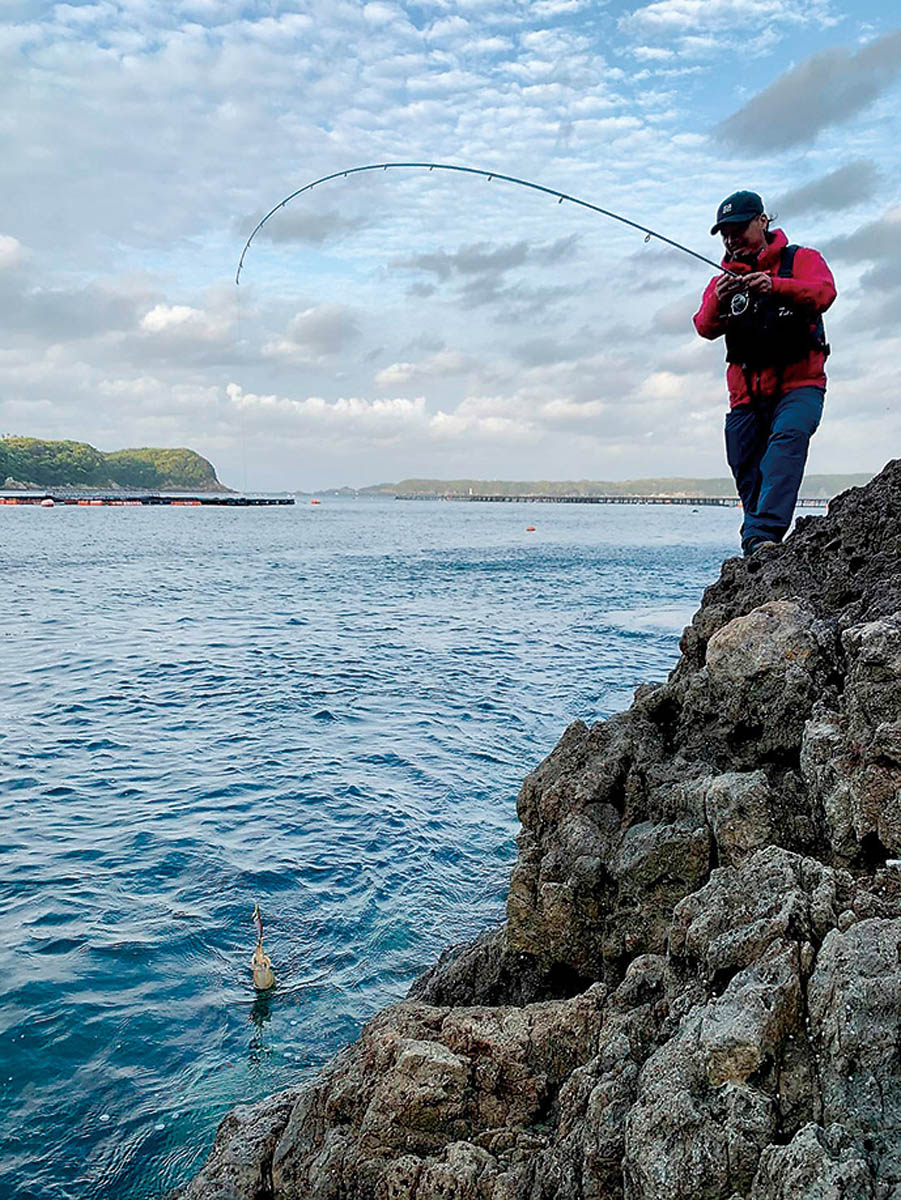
(261, 963)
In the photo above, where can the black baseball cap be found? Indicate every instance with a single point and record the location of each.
(737, 209)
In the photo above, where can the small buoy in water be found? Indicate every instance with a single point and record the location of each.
(315, 501)
(261, 963)
(47, 502)
(530, 529)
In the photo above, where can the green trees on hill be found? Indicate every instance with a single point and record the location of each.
(34, 461)
(190, 470)
(77, 464)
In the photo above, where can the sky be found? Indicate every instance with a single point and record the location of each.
(413, 324)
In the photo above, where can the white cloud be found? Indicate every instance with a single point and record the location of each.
(170, 316)
(448, 27)
(490, 45)
(12, 252)
(553, 8)
(349, 416)
(442, 363)
(674, 17)
(467, 422)
(565, 410)
(182, 324)
(379, 14)
(654, 53)
(664, 385)
(708, 29)
(396, 373)
(142, 387)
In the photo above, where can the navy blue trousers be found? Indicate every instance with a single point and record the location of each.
(766, 447)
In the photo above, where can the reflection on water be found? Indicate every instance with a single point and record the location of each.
(260, 1016)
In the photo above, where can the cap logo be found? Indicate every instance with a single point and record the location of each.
(727, 208)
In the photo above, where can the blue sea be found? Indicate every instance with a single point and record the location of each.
(327, 710)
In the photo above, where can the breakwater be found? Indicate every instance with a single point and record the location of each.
(692, 501)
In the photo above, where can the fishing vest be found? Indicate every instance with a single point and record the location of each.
(768, 331)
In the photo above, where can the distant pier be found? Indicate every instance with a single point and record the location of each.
(692, 501)
(136, 500)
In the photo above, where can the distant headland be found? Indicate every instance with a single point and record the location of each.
(27, 462)
(822, 487)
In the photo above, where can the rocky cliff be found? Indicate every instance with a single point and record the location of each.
(697, 991)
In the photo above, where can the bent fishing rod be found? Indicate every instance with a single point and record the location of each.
(489, 175)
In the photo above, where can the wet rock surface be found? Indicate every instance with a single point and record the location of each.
(697, 991)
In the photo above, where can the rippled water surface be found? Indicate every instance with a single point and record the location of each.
(324, 709)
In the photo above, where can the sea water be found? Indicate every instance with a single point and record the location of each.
(325, 709)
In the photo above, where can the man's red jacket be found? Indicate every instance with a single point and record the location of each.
(811, 286)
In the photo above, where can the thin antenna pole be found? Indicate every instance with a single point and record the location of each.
(489, 175)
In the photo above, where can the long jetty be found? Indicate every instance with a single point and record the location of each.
(692, 501)
(135, 500)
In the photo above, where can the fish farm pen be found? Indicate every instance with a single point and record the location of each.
(118, 500)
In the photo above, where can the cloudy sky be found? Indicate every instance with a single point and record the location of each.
(407, 323)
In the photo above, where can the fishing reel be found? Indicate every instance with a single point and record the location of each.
(739, 303)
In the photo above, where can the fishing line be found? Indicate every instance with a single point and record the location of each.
(489, 175)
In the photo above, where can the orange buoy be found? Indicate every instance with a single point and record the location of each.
(530, 529)
(315, 501)
(46, 502)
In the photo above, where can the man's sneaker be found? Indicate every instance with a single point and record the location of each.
(758, 544)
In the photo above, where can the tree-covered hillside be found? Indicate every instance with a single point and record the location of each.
(76, 464)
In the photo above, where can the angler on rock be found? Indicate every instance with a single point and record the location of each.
(769, 307)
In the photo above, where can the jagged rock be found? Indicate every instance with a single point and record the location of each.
(827, 767)
(818, 1164)
(855, 1014)
(487, 971)
(774, 896)
(703, 1114)
(240, 1165)
(423, 1078)
(874, 675)
(696, 994)
(762, 674)
(740, 810)
(585, 1159)
(850, 757)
